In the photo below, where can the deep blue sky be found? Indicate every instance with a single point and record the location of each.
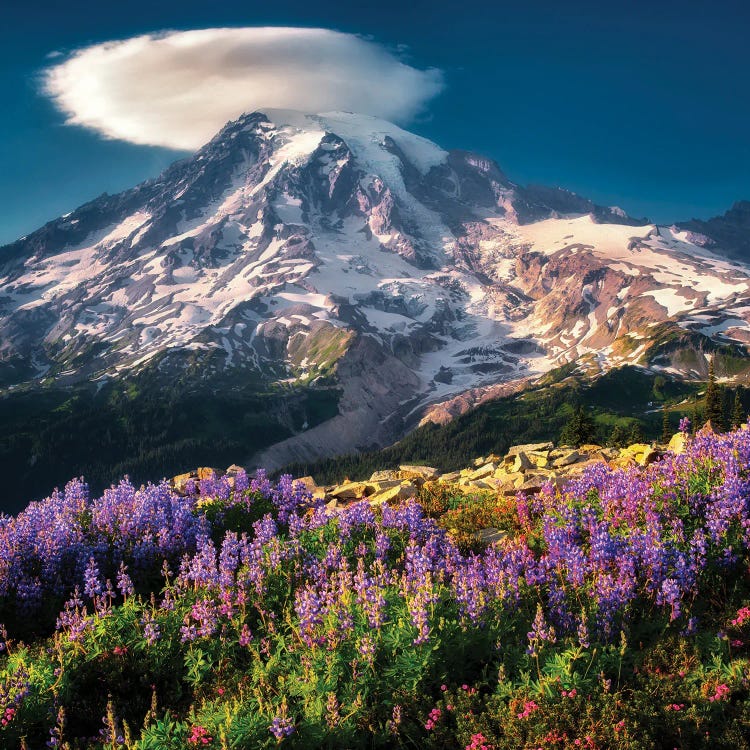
(641, 104)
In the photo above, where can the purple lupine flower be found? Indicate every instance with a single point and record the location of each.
(281, 727)
(124, 584)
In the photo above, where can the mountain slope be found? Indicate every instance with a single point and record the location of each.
(308, 252)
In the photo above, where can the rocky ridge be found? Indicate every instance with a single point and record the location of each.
(524, 468)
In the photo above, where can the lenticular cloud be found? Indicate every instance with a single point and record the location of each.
(177, 89)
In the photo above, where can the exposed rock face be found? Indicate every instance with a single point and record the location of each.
(729, 233)
(340, 251)
(540, 464)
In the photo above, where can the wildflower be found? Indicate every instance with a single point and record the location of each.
(281, 727)
(721, 693)
(332, 710)
(151, 630)
(478, 742)
(540, 632)
(528, 708)
(743, 616)
(433, 719)
(246, 637)
(395, 721)
(199, 736)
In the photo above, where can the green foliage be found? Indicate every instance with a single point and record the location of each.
(106, 685)
(579, 429)
(738, 410)
(142, 429)
(537, 414)
(714, 400)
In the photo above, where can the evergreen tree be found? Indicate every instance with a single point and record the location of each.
(714, 400)
(696, 419)
(666, 429)
(738, 411)
(636, 434)
(618, 438)
(579, 429)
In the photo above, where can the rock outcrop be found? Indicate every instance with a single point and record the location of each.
(523, 468)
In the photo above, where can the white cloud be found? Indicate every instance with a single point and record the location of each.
(177, 89)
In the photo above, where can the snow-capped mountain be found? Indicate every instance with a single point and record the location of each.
(312, 250)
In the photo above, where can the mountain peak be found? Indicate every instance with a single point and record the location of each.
(336, 250)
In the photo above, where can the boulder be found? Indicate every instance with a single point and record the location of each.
(490, 535)
(179, 483)
(484, 471)
(519, 462)
(407, 471)
(581, 466)
(308, 483)
(589, 448)
(402, 492)
(529, 448)
(540, 459)
(387, 474)
(678, 443)
(512, 477)
(532, 485)
(489, 483)
(385, 484)
(567, 458)
(351, 491)
(641, 453)
(451, 476)
(206, 472)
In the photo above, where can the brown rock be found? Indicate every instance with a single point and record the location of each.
(568, 457)
(589, 448)
(408, 489)
(540, 459)
(180, 481)
(451, 476)
(387, 474)
(530, 486)
(308, 482)
(385, 484)
(515, 476)
(351, 491)
(529, 448)
(206, 472)
(488, 483)
(581, 466)
(407, 471)
(402, 492)
(641, 453)
(485, 471)
(520, 462)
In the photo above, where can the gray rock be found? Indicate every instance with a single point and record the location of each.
(490, 535)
